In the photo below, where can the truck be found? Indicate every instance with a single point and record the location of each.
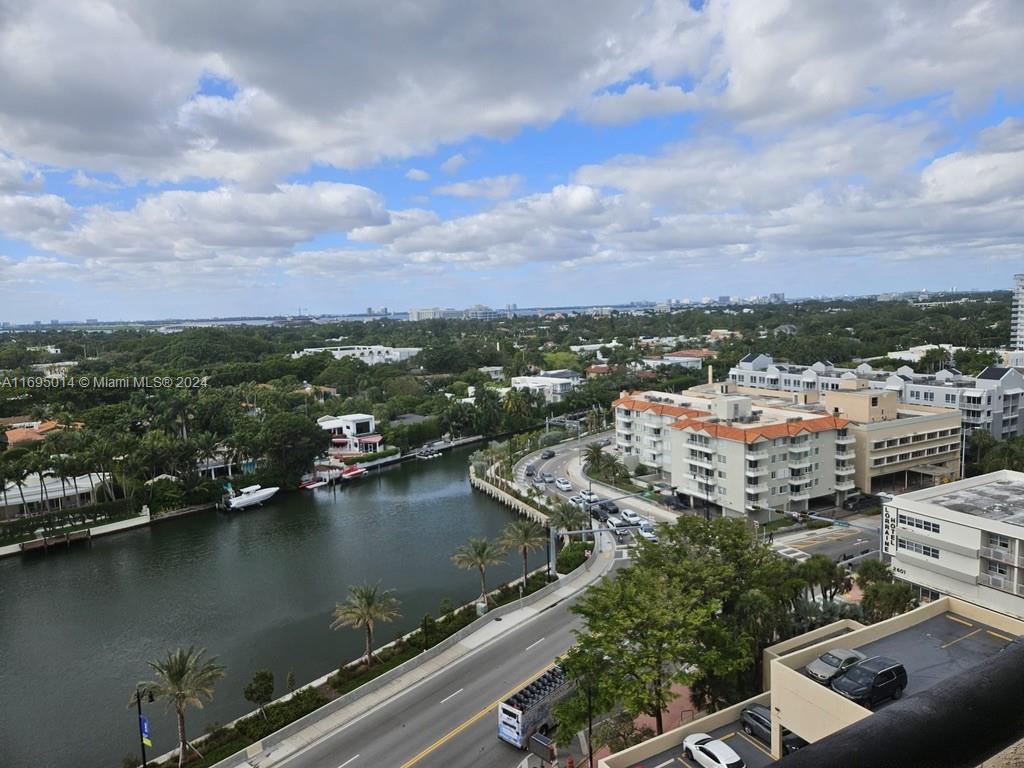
(529, 710)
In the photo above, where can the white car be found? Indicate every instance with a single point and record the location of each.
(563, 485)
(648, 535)
(629, 516)
(710, 753)
(589, 496)
(577, 500)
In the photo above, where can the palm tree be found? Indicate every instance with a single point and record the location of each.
(367, 604)
(567, 517)
(595, 458)
(479, 554)
(184, 679)
(523, 534)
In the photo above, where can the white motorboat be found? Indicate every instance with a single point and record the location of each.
(249, 496)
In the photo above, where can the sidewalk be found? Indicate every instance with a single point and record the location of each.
(310, 729)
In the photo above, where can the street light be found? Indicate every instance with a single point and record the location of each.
(143, 724)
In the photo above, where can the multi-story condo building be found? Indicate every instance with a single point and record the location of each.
(434, 313)
(895, 443)
(1017, 314)
(725, 454)
(991, 401)
(371, 354)
(480, 312)
(963, 539)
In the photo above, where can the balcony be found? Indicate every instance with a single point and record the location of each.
(757, 449)
(801, 449)
(1004, 583)
(845, 469)
(845, 440)
(757, 488)
(700, 461)
(844, 485)
(801, 495)
(998, 555)
(756, 471)
(801, 464)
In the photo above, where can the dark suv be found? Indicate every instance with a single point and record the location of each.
(610, 507)
(548, 454)
(598, 512)
(757, 722)
(872, 681)
(531, 470)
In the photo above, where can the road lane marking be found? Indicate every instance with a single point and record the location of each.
(460, 728)
(348, 761)
(1001, 637)
(533, 644)
(958, 620)
(667, 762)
(452, 696)
(755, 743)
(954, 642)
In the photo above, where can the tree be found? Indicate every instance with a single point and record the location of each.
(872, 572)
(488, 410)
(290, 682)
(591, 698)
(184, 679)
(595, 458)
(883, 600)
(290, 443)
(260, 690)
(567, 517)
(367, 605)
(620, 732)
(524, 535)
(479, 554)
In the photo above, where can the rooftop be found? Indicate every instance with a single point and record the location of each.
(996, 496)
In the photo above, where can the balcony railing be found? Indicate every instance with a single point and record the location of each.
(843, 470)
(844, 485)
(800, 449)
(1004, 583)
(845, 440)
(756, 471)
(802, 495)
(757, 488)
(997, 554)
(801, 464)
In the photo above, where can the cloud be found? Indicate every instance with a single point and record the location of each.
(85, 181)
(417, 174)
(638, 101)
(453, 163)
(489, 187)
(18, 176)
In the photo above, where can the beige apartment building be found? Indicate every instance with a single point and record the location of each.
(897, 445)
(731, 457)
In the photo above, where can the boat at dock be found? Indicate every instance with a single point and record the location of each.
(352, 472)
(428, 452)
(248, 496)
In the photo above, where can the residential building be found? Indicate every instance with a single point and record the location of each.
(480, 312)
(552, 388)
(434, 313)
(915, 354)
(371, 354)
(352, 433)
(945, 645)
(990, 401)
(964, 539)
(493, 372)
(594, 348)
(896, 444)
(1017, 314)
(562, 373)
(704, 354)
(728, 456)
(33, 432)
(675, 361)
(33, 497)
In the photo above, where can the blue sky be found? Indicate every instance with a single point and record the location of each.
(217, 162)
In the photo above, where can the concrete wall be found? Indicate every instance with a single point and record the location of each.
(675, 737)
(828, 632)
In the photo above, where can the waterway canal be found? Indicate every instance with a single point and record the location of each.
(255, 588)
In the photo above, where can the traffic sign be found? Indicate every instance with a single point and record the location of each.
(841, 524)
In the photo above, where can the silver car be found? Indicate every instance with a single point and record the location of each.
(832, 664)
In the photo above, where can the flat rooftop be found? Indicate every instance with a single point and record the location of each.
(938, 648)
(998, 496)
(755, 753)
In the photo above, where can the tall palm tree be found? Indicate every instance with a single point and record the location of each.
(478, 554)
(367, 604)
(183, 680)
(523, 534)
(567, 517)
(595, 458)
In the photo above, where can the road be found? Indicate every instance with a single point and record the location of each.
(449, 719)
(834, 541)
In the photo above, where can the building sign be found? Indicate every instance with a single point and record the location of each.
(888, 530)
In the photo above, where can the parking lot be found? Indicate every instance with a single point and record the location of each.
(754, 753)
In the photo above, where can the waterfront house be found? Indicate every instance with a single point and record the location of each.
(352, 433)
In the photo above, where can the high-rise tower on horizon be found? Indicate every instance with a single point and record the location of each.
(1017, 314)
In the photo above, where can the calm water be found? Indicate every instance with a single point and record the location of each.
(256, 589)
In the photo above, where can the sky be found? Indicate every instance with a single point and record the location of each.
(198, 159)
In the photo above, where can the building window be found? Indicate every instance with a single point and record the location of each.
(721, 473)
(950, 398)
(917, 522)
(998, 542)
(874, 402)
(920, 549)
(721, 459)
(997, 569)
(721, 489)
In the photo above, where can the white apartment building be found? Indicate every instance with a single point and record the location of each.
(990, 401)
(964, 539)
(722, 452)
(1017, 314)
(352, 433)
(371, 354)
(553, 389)
(434, 313)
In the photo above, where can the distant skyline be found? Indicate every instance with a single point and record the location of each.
(197, 160)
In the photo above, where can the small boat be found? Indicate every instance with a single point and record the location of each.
(352, 472)
(428, 452)
(312, 481)
(249, 496)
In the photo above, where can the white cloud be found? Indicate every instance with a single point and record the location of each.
(85, 181)
(638, 101)
(453, 163)
(417, 174)
(18, 176)
(26, 216)
(489, 187)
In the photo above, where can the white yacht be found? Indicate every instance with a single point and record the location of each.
(249, 496)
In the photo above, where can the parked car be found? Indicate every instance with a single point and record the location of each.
(673, 502)
(610, 507)
(590, 497)
(756, 721)
(618, 524)
(604, 442)
(599, 513)
(530, 470)
(547, 454)
(872, 681)
(547, 477)
(832, 664)
(884, 497)
(563, 485)
(630, 516)
(577, 500)
(710, 753)
(648, 535)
